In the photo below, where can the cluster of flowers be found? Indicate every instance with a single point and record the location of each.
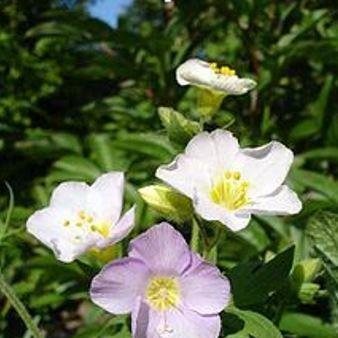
(169, 290)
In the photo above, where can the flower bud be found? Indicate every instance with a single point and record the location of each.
(168, 202)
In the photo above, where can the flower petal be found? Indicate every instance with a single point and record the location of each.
(219, 148)
(232, 85)
(162, 248)
(283, 201)
(204, 289)
(194, 71)
(184, 173)
(118, 285)
(176, 323)
(185, 323)
(106, 196)
(145, 321)
(265, 167)
(70, 195)
(199, 73)
(206, 155)
(210, 211)
(46, 226)
(121, 230)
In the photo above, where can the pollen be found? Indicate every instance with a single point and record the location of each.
(223, 70)
(82, 215)
(88, 224)
(230, 191)
(163, 293)
(66, 223)
(103, 228)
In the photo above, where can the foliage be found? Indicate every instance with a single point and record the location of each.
(79, 98)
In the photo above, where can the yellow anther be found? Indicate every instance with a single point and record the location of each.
(228, 175)
(79, 224)
(90, 219)
(66, 223)
(163, 293)
(224, 70)
(230, 191)
(93, 228)
(236, 175)
(82, 215)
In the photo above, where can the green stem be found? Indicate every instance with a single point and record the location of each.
(195, 236)
(203, 233)
(19, 307)
(9, 212)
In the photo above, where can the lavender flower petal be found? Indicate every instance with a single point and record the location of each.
(163, 249)
(118, 285)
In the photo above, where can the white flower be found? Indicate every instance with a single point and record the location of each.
(228, 184)
(82, 217)
(210, 76)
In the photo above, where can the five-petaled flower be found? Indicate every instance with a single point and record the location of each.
(82, 217)
(227, 183)
(170, 291)
(213, 78)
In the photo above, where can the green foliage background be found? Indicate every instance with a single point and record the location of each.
(79, 98)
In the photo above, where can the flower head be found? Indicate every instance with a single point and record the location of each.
(227, 183)
(170, 291)
(81, 217)
(212, 77)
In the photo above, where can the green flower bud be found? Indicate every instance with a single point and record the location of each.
(167, 202)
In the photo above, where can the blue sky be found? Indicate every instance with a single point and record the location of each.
(109, 10)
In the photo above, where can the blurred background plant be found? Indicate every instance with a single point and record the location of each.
(79, 97)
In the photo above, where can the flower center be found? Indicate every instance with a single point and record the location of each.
(87, 223)
(230, 191)
(163, 293)
(223, 70)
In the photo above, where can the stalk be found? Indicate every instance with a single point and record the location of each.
(195, 236)
(19, 307)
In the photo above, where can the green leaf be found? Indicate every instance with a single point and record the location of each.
(256, 236)
(309, 20)
(104, 153)
(255, 325)
(253, 281)
(180, 130)
(330, 154)
(323, 232)
(149, 144)
(318, 182)
(67, 142)
(314, 124)
(79, 166)
(306, 326)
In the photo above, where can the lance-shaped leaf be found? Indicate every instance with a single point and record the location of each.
(252, 282)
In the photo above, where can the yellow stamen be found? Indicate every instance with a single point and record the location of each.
(93, 228)
(230, 191)
(66, 223)
(163, 293)
(79, 224)
(82, 215)
(223, 70)
(102, 227)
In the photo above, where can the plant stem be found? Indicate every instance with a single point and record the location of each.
(9, 212)
(195, 236)
(19, 307)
